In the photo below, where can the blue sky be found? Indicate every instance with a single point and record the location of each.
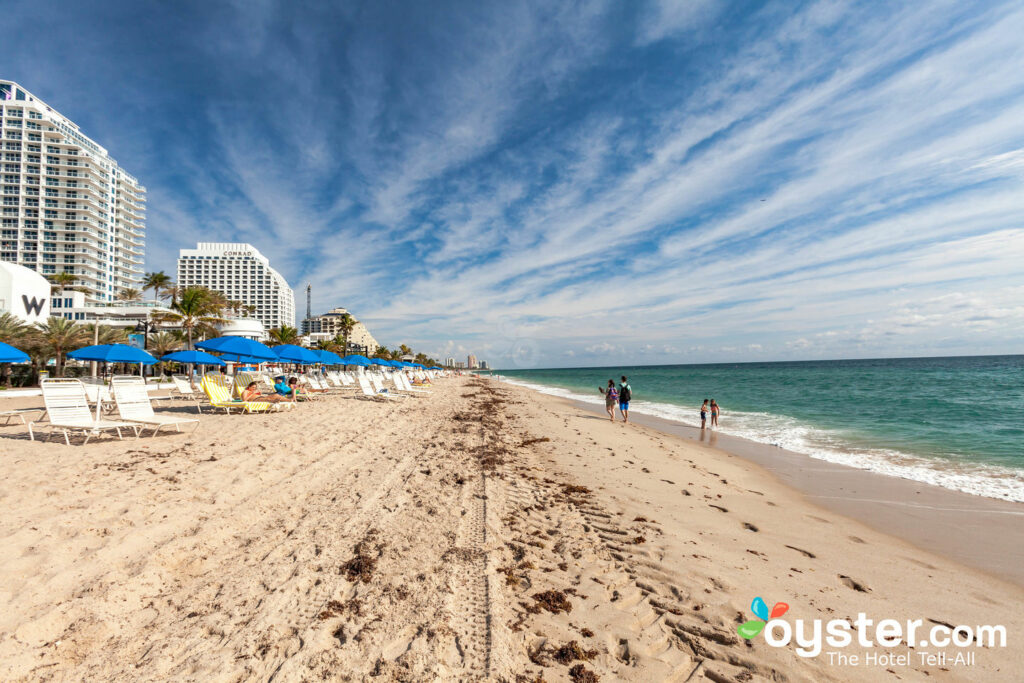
(586, 183)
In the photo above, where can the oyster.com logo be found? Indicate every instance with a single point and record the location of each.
(750, 629)
(927, 637)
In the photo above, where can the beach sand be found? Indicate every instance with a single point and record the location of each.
(484, 532)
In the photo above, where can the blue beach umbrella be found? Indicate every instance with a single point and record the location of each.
(290, 353)
(193, 358)
(355, 360)
(379, 361)
(113, 353)
(328, 357)
(9, 354)
(236, 348)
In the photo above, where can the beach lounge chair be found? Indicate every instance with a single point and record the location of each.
(67, 408)
(218, 394)
(243, 379)
(98, 392)
(19, 413)
(378, 385)
(184, 391)
(133, 405)
(402, 382)
(364, 385)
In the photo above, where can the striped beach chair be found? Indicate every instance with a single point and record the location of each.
(218, 393)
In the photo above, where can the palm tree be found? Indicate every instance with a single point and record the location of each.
(332, 345)
(158, 281)
(106, 334)
(383, 352)
(196, 310)
(404, 351)
(62, 281)
(59, 336)
(283, 335)
(38, 353)
(12, 330)
(129, 294)
(346, 323)
(163, 343)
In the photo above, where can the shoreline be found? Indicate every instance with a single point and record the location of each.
(983, 533)
(483, 533)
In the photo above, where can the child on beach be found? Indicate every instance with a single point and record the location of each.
(625, 394)
(611, 397)
(704, 414)
(714, 413)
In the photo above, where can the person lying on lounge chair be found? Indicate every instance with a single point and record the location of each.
(252, 393)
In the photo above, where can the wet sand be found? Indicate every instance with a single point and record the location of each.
(983, 533)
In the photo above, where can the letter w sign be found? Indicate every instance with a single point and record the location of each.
(33, 306)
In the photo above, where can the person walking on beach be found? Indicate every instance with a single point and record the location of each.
(704, 414)
(611, 397)
(714, 413)
(625, 395)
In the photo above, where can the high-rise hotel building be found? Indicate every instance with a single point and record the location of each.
(241, 273)
(67, 206)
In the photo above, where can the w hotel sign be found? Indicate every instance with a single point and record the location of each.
(24, 293)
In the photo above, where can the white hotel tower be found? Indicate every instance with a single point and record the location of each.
(241, 273)
(67, 206)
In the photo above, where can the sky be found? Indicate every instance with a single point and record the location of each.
(555, 184)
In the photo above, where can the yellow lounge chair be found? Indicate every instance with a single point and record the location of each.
(218, 393)
(243, 379)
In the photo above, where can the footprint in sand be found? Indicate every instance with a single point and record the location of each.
(858, 539)
(718, 507)
(803, 552)
(750, 527)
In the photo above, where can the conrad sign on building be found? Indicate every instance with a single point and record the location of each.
(241, 273)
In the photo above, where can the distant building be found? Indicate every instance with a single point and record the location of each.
(449, 363)
(471, 362)
(68, 207)
(483, 365)
(328, 326)
(241, 273)
(460, 366)
(250, 328)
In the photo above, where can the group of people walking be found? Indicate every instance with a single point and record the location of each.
(620, 395)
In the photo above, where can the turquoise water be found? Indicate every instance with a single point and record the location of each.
(955, 422)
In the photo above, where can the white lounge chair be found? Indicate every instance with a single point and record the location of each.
(403, 380)
(19, 413)
(133, 405)
(184, 390)
(99, 393)
(67, 408)
(364, 385)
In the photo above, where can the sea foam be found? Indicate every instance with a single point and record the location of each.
(991, 481)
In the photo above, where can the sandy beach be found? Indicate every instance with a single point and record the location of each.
(483, 532)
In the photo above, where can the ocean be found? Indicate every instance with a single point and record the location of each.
(953, 422)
